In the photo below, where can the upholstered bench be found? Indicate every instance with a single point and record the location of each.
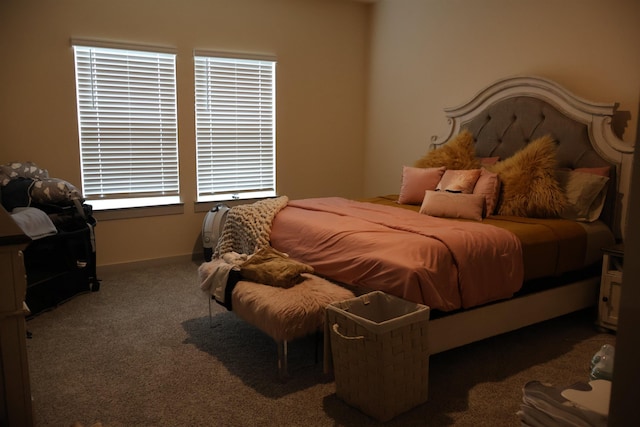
(286, 313)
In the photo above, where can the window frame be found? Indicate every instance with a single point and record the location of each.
(152, 128)
(216, 152)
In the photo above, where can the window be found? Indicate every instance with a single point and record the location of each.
(235, 127)
(128, 126)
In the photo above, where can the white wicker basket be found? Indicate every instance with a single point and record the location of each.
(380, 353)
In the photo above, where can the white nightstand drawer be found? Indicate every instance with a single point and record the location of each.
(610, 287)
(610, 301)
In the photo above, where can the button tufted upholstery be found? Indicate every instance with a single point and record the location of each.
(509, 125)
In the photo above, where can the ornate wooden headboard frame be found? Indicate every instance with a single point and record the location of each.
(513, 111)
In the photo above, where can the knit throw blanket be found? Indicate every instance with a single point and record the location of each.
(248, 227)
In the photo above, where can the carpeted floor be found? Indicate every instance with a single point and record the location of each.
(142, 352)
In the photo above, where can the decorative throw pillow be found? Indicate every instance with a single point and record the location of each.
(459, 181)
(602, 171)
(585, 194)
(488, 161)
(453, 205)
(415, 181)
(271, 267)
(54, 191)
(488, 185)
(529, 185)
(15, 170)
(458, 153)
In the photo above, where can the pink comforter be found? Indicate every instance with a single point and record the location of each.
(442, 263)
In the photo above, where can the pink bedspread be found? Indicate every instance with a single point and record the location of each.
(442, 263)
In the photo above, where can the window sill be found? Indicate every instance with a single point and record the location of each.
(138, 212)
(207, 206)
(207, 203)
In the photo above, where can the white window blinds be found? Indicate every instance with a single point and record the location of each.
(235, 127)
(127, 122)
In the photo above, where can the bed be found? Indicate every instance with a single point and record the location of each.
(523, 247)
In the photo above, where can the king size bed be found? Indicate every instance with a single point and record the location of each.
(498, 226)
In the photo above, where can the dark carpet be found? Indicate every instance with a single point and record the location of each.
(143, 352)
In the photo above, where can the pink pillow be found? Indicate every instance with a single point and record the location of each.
(459, 181)
(415, 181)
(452, 205)
(488, 185)
(602, 171)
(488, 161)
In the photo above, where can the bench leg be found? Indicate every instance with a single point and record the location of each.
(210, 317)
(283, 373)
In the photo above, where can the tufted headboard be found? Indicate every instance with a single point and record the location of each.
(510, 113)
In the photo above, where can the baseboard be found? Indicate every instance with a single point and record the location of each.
(148, 263)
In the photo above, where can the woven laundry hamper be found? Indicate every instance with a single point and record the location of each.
(380, 354)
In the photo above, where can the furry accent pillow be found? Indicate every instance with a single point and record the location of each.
(457, 153)
(269, 266)
(529, 185)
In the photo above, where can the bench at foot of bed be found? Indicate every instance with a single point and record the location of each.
(286, 313)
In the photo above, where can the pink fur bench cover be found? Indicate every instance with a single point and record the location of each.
(287, 313)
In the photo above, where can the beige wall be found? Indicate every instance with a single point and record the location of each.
(320, 46)
(361, 86)
(431, 54)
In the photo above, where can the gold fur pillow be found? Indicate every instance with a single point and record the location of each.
(458, 153)
(529, 185)
(272, 267)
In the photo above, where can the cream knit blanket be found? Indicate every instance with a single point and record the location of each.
(248, 227)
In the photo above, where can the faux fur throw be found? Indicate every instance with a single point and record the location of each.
(248, 227)
(287, 314)
(271, 267)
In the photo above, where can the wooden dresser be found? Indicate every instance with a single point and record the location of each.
(15, 389)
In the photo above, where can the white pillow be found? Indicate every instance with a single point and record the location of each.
(585, 192)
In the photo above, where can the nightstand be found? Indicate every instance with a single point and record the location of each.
(610, 286)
